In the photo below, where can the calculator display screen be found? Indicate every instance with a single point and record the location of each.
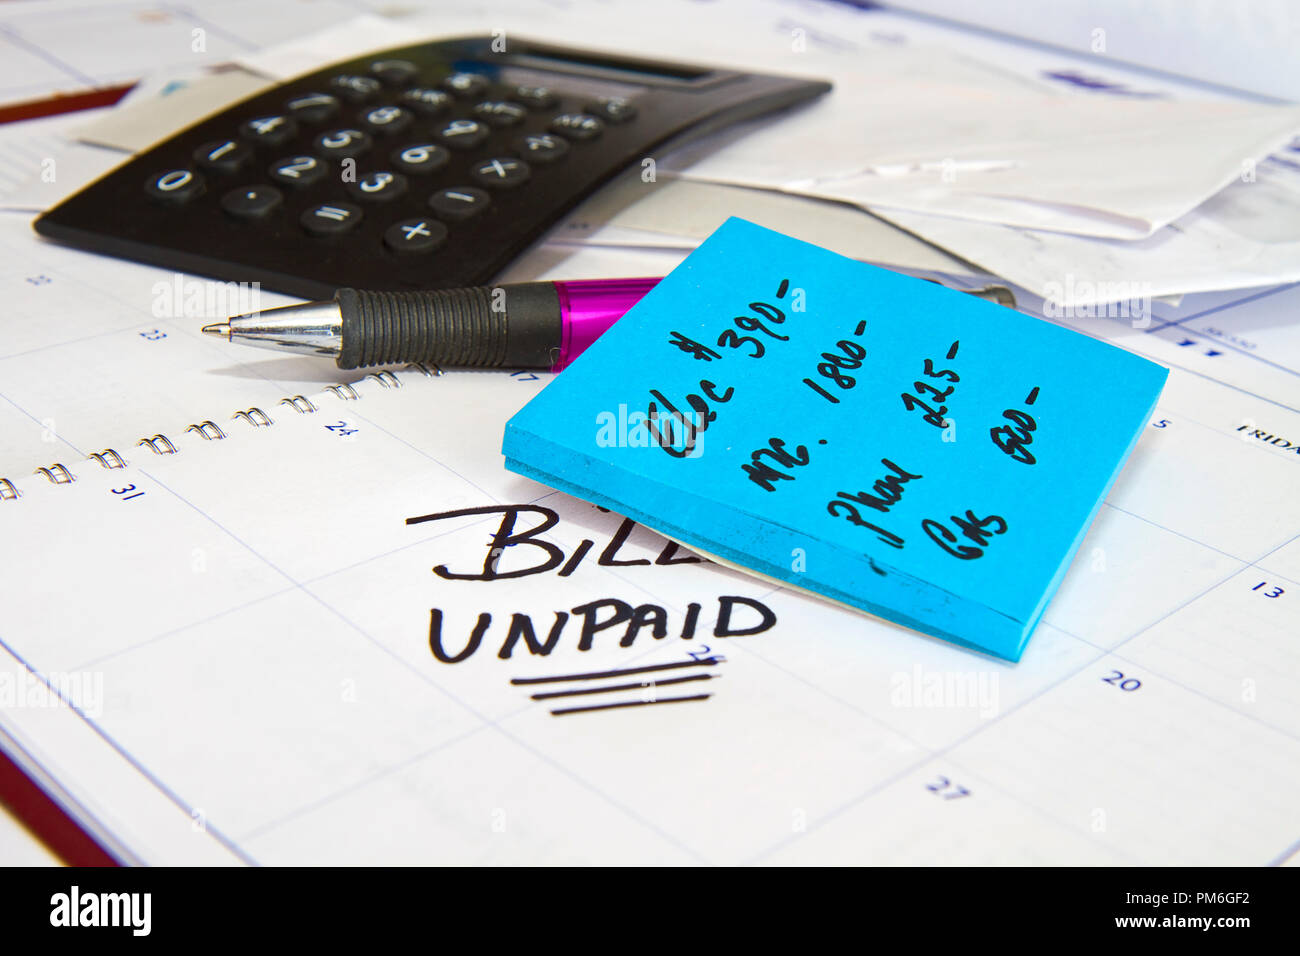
(571, 83)
(650, 70)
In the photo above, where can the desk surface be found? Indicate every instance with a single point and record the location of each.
(1159, 522)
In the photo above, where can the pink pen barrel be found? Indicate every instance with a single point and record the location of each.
(591, 306)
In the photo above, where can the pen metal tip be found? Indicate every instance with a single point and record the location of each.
(218, 328)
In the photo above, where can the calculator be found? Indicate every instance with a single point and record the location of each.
(422, 167)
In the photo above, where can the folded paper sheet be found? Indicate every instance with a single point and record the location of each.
(1114, 169)
(896, 446)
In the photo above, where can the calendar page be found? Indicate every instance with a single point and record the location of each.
(350, 636)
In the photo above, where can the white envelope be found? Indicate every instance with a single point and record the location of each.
(1107, 167)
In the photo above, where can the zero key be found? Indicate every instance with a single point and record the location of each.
(175, 186)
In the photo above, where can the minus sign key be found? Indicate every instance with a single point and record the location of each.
(459, 202)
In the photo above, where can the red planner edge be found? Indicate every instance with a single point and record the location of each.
(63, 103)
(46, 820)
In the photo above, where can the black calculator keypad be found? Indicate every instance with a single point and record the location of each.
(426, 166)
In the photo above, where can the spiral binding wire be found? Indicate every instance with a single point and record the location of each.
(60, 474)
(56, 473)
(208, 430)
(167, 447)
(301, 405)
(109, 458)
(254, 416)
(428, 370)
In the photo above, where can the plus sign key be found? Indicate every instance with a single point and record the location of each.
(500, 173)
(413, 236)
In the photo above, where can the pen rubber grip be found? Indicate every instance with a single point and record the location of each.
(508, 326)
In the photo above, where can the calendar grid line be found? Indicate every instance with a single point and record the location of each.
(36, 50)
(1282, 858)
(270, 826)
(1224, 306)
(99, 661)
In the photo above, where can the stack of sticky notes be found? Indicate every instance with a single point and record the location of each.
(911, 451)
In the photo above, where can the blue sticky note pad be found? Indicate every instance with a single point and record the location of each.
(911, 451)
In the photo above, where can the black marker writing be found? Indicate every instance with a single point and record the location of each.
(885, 493)
(1015, 439)
(677, 432)
(763, 474)
(551, 555)
(974, 529)
(736, 616)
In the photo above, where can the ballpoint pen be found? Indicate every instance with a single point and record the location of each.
(514, 325)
